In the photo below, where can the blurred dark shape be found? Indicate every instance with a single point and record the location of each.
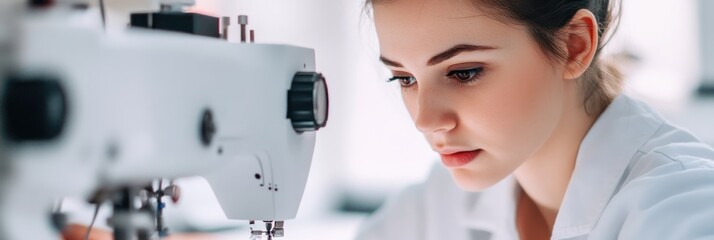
(353, 202)
(40, 3)
(33, 108)
(706, 33)
(191, 23)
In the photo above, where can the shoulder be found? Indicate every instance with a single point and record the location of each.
(398, 217)
(668, 172)
(668, 191)
(670, 150)
(408, 213)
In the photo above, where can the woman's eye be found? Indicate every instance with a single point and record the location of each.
(465, 75)
(404, 81)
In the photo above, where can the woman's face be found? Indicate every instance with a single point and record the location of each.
(471, 84)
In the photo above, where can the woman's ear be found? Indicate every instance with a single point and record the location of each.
(581, 40)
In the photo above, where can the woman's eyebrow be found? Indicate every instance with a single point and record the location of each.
(443, 56)
(390, 62)
(456, 50)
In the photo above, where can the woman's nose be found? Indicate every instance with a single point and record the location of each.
(433, 113)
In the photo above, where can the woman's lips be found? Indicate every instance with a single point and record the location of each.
(459, 159)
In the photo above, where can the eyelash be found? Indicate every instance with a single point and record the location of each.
(473, 75)
(401, 79)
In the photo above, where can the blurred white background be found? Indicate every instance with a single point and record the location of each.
(370, 147)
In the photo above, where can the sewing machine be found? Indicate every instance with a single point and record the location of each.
(102, 114)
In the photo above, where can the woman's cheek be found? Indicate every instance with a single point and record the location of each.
(519, 114)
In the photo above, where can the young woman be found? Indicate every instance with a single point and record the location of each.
(535, 138)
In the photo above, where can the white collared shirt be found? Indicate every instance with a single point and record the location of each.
(636, 177)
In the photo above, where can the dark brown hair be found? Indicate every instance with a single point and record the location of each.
(545, 20)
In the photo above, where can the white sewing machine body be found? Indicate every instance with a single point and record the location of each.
(146, 104)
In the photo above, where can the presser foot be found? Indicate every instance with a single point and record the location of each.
(272, 230)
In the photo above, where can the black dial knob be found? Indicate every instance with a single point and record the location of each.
(33, 108)
(308, 102)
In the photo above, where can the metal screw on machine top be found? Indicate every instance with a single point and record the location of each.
(243, 21)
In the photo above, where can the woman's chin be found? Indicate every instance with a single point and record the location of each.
(471, 181)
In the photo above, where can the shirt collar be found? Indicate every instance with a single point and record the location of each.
(604, 154)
